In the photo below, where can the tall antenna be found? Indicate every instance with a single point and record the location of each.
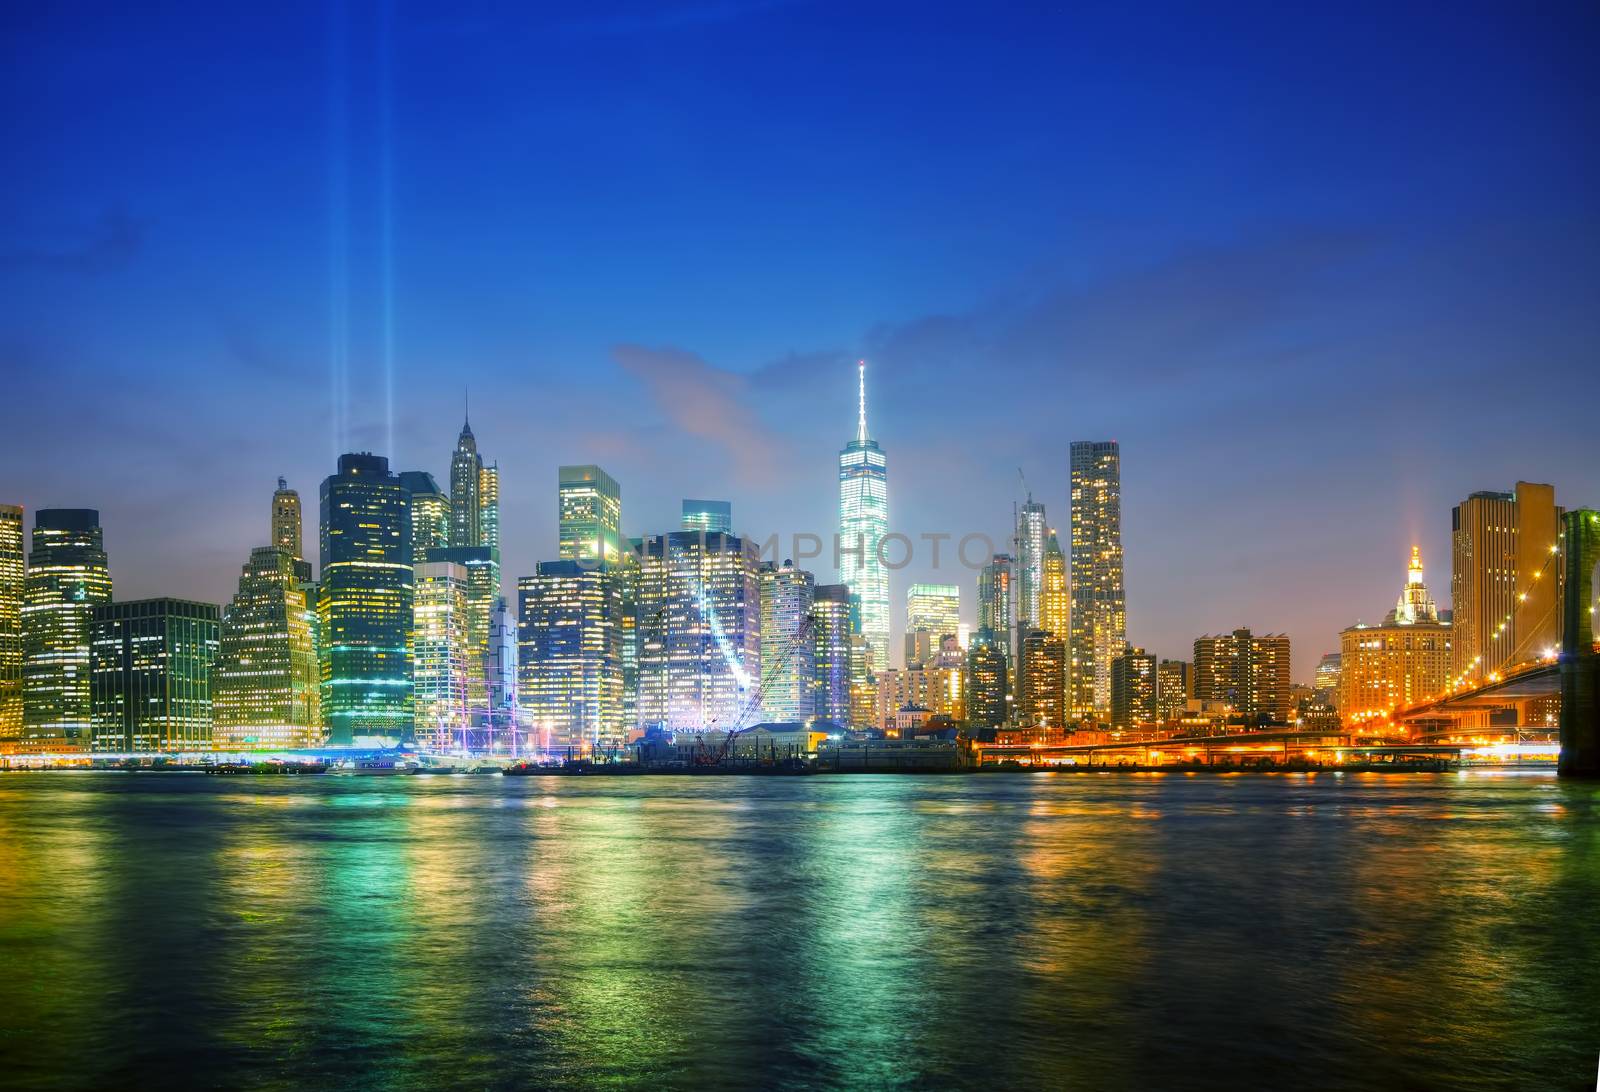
(861, 423)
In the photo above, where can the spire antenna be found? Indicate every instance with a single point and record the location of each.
(861, 422)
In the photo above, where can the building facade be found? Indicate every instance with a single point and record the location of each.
(1055, 601)
(1403, 661)
(788, 647)
(1134, 689)
(1099, 604)
(1246, 672)
(830, 651)
(569, 642)
(589, 514)
(714, 517)
(1505, 581)
(265, 689)
(13, 587)
(466, 476)
(1174, 689)
(987, 684)
(933, 612)
(442, 653)
(68, 576)
(1032, 534)
(431, 513)
(699, 627)
(366, 606)
(1041, 680)
(150, 675)
(996, 611)
(863, 523)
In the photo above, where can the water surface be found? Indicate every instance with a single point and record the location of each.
(1088, 931)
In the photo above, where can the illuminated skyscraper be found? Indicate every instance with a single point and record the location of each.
(430, 513)
(699, 631)
(1055, 603)
(13, 580)
(481, 568)
(1031, 537)
(1403, 661)
(1174, 688)
(1247, 672)
(569, 640)
(788, 665)
(830, 632)
(933, 612)
(441, 654)
(987, 682)
(1099, 611)
(1505, 582)
(489, 506)
(466, 490)
(265, 689)
(67, 578)
(286, 520)
(589, 510)
(366, 605)
(1041, 680)
(995, 603)
(863, 522)
(1133, 689)
(710, 516)
(150, 674)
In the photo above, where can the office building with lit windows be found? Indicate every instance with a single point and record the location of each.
(1505, 580)
(987, 682)
(699, 631)
(481, 568)
(863, 523)
(788, 664)
(1099, 607)
(1402, 661)
(830, 656)
(710, 516)
(1055, 602)
(366, 603)
(1174, 688)
(489, 506)
(67, 577)
(1031, 536)
(1041, 680)
(1246, 672)
(1134, 689)
(466, 478)
(150, 667)
(441, 653)
(13, 580)
(430, 512)
(265, 690)
(933, 612)
(589, 514)
(569, 652)
(996, 607)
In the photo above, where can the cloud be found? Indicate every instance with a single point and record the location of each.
(112, 242)
(709, 403)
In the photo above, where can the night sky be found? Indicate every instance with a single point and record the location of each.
(1321, 272)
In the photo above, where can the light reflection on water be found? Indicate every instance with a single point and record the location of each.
(1098, 931)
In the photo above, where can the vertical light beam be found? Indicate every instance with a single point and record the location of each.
(338, 225)
(386, 206)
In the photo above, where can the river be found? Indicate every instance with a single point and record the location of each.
(1095, 931)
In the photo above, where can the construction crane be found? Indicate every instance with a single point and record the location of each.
(752, 703)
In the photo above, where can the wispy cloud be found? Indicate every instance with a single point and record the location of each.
(113, 241)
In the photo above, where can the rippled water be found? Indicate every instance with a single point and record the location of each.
(1091, 931)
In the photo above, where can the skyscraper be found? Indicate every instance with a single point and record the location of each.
(1402, 661)
(710, 516)
(367, 599)
(67, 578)
(569, 641)
(466, 490)
(996, 603)
(430, 513)
(480, 565)
(933, 612)
(1099, 611)
(1174, 688)
(987, 684)
(265, 691)
(589, 511)
(286, 520)
(1041, 679)
(788, 666)
(1247, 672)
(1031, 536)
(830, 632)
(1055, 604)
(13, 582)
(1133, 689)
(150, 674)
(863, 522)
(442, 664)
(1505, 582)
(489, 506)
(699, 619)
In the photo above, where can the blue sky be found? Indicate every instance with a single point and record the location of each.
(1322, 272)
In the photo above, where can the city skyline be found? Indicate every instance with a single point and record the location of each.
(1258, 278)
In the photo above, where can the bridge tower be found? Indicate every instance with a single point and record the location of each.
(1580, 666)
